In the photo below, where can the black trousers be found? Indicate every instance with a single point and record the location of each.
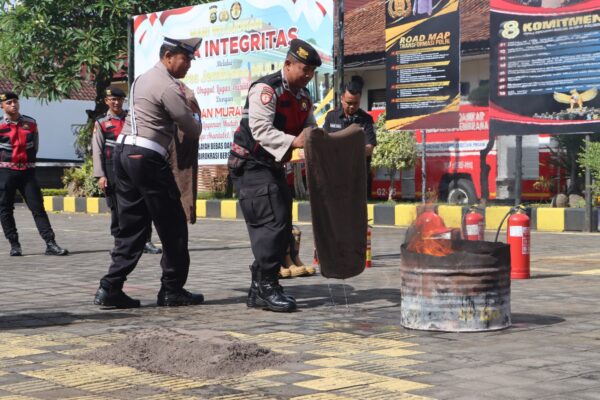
(266, 202)
(111, 201)
(147, 192)
(26, 183)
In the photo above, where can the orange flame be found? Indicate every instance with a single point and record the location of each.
(431, 246)
(426, 237)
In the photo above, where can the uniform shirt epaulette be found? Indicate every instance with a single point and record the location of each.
(27, 118)
(101, 117)
(304, 92)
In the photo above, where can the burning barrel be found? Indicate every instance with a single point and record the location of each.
(464, 287)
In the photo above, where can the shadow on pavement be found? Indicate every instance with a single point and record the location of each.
(311, 296)
(224, 248)
(519, 319)
(41, 319)
(545, 276)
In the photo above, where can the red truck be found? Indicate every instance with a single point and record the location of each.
(453, 164)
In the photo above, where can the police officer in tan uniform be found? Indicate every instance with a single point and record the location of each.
(145, 186)
(106, 131)
(277, 111)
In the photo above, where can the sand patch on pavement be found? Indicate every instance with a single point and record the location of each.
(201, 354)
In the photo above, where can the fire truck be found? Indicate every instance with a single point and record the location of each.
(453, 167)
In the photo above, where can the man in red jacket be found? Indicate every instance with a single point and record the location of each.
(18, 148)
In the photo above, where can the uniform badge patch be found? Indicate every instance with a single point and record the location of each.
(26, 126)
(304, 105)
(266, 95)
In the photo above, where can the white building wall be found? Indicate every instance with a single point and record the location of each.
(56, 121)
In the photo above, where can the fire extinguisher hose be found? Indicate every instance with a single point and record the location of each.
(511, 211)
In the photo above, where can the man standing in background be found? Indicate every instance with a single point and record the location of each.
(19, 139)
(350, 113)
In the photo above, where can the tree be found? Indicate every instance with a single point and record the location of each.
(48, 48)
(395, 150)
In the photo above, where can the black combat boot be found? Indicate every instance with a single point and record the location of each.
(252, 300)
(270, 293)
(114, 298)
(176, 298)
(15, 249)
(52, 249)
(150, 248)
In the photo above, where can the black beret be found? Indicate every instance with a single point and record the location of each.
(189, 46)
(8, 95)
(304, 52)
(114, 91)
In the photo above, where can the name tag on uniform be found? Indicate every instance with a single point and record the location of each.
(336, 125)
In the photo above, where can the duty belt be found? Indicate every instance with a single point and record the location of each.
(13, 165)
(142, 142)
(245, 153)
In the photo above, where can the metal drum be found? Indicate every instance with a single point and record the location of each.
(466, 291)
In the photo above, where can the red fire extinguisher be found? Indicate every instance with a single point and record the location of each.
(518, 237)
(473, 225)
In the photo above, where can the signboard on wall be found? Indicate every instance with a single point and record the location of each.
(422, 64)
(544, 66)
(242, 41)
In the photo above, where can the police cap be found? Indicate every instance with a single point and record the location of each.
(8, 95)
(189, 46)
(304, 52)
(114, 91)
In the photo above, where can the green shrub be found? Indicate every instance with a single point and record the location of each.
(590, 157)
(55, 192)
(80, 182)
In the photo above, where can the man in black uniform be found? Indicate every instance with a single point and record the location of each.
(106, 131)
(277, 111)
(350, 113)
(146, 188)
(19, 140)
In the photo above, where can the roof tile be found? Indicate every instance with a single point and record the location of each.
(365, 26)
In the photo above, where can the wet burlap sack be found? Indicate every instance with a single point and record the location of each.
(337, 177)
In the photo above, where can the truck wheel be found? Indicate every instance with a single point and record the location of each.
(461, 191)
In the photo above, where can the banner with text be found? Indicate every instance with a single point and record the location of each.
(544, 66)
(422, 64)
(242, 41)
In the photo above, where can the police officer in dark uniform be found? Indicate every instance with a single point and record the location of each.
(146, 188)
(106, 131)
(350, 113)
(277, 111)
(19, 140)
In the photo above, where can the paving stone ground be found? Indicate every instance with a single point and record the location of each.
(349, 331)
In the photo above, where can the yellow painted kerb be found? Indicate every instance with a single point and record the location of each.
(295, 211)
(48, 204)
(69, 204)
(550, 219)
(405, 214)
(371, 213)
(93, 205)
(201, 208)
(228, 209)
(493, 216)
(452, 215)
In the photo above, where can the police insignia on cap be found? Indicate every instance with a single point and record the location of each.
(8, 95)
(108, 92)
(302, 53)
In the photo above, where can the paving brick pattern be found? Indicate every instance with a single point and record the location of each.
(348, 332)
